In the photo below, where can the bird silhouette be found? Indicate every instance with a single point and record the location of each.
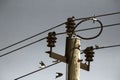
(42, 65)
(58, 74)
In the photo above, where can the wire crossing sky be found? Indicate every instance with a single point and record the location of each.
(46, 37)
(54, 28)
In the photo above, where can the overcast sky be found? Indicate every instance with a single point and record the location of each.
(20, 19)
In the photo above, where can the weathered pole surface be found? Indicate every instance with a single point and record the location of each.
(73, 57)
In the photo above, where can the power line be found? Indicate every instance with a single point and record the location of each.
(22, 47)
(107, 47)
(36, 71)
(56, 34)
(93, 19)
(100, 15)
(31, 37)
(98, 27)
(59, 62)
(54, 28)
(115, 24)
(103, 47)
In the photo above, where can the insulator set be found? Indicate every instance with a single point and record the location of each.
(89, 53)
(51, 39)
(70, 26)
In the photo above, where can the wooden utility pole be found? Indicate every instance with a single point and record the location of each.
(73, 57)
(72, 53)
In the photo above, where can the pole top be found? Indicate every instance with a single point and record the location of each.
(75, 36)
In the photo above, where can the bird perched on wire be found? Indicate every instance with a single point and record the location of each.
(42, 65)
(58, 74)
(94, 19)
(96, 46)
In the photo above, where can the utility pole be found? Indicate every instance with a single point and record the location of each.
(72, 53)
(73, 58)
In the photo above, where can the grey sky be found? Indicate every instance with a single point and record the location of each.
(20, 19)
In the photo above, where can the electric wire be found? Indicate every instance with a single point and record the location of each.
(94, 20)
(56, 34)
(103, 47)
(109, 14)
(22, 47)
(107, 47)
(115, 24)
(59, 62)
(54, 28)
(105, 26)
(31, 37)
(36, 71)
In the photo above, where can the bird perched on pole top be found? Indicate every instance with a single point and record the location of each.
(42, 65)
(58, 74)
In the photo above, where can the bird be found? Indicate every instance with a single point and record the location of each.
(96, 46)
(94, 19)
(42, 65)
(58, 74)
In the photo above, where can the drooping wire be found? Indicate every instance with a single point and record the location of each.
(31, 37)
(105, 26)
(54, 28)
(94, 20)
(22, 47)
(56, 34)
(59, 62)
(36, 71)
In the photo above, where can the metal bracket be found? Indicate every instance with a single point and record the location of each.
(63, 59)
(84, 66)
(57, 56)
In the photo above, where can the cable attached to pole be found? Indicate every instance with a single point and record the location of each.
(56, 34)
(94, 20)
(103, 47)
(105, 26)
